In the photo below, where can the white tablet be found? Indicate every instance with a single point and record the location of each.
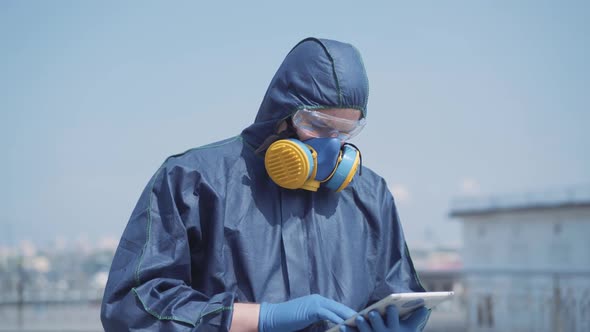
(405, 303)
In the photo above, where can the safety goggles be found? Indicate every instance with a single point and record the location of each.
(318, 124)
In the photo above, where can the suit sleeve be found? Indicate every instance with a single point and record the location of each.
(150, 282)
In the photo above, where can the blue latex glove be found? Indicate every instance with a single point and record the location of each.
(375, 323)
(301, 312)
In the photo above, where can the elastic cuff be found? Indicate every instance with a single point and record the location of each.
(264, 308)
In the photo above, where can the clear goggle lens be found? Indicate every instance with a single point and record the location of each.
(317, 124)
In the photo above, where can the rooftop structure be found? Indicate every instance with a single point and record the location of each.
(566, 198)
(525, 261)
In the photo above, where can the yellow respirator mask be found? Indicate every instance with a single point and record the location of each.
(294, 164)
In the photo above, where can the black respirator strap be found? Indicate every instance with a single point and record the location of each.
(289, 132)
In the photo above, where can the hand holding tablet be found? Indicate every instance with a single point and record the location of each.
(405, 303)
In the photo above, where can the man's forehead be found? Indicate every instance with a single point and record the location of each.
(344, 113)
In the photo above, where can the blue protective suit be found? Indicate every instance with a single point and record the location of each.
(211, 228)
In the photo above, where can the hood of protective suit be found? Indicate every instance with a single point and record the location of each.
(316, 74)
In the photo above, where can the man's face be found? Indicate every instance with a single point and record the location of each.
(351, 116)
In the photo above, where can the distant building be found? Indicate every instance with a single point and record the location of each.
(526, 261)
(439, 270)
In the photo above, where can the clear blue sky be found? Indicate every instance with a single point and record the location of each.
(467, 98)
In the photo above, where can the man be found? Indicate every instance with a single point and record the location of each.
(271, 230)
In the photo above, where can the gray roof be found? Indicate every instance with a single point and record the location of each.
(555, 199)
